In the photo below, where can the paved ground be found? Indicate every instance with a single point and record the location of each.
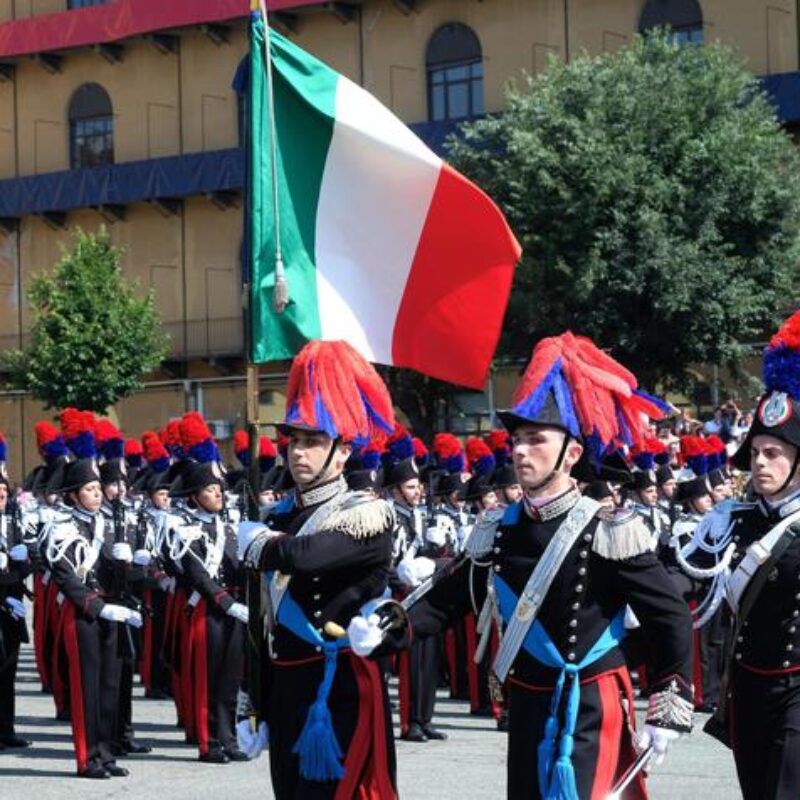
(469, 766)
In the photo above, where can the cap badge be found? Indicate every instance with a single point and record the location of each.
(776, 410)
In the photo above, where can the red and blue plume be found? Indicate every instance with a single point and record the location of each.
(782, 359)
(196, 438)
(498, 443)
(77, 427)
(241, 447)
(171, 438)
(716, 452)
(421, 453)
(49, 441)
(134, 453)
(155, 452)
(449, 453)
(400, 445)
(283, 446)
(372, 453)
(110, 441)
(647, 455)
(3, 448)
(596, 397)
(694, 454)
(332, 388)
(267, 454)
(480, 459)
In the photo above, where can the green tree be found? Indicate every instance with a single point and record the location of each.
(657, 200)
(94, 336)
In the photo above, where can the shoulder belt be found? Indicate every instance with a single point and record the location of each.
(535, 591)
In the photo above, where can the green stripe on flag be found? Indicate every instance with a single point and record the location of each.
(305, 94)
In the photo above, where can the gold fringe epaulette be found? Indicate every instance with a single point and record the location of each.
(361, 516)
(621, 534)
(481, 540)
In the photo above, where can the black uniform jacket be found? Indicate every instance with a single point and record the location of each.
(769, 640)
(587, 593)
(225, 588)
(333, 573)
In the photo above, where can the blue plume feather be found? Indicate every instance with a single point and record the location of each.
(484, 466)
(160, 464)
(663, 405)
(782, 370)
(531, 406)
(83, 445)
(113, 448)
(566, 408)
(371, 459)
(645, 461)
(401, 449)
(206, 452)
(54, 450)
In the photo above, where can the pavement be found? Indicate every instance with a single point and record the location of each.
(470, 765)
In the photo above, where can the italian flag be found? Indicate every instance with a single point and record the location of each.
(385, 246)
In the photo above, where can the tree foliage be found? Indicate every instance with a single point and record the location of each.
(657, 201)
(94, 336)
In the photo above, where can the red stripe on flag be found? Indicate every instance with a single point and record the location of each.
(452, 309)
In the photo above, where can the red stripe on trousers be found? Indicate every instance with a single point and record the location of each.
(76, 687)
(186, 637)
(473, 677)
(697, 667)
(56, 623)
(404, 690)
(450, 655)
(200, 674)
(609, 736)
(366, 765)
(145, 665)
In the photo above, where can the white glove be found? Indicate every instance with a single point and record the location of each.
(364, 634)
(3, 561)
(424, 568)
(17, 607)
(166, 583)
(239, 611)
(406, 574)
(250, 742)
(660, 739)
(142, 558)
(115, 613)
(436, 535)
(246, 534)
(121, 551)
(18, 553)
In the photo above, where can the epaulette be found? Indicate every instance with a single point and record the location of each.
(481, 540)
(361, 516)
(621, 534)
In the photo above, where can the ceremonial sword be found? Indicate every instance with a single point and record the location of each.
(641, 762)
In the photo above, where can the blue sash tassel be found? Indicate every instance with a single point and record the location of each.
(317, 746)
(556, 772)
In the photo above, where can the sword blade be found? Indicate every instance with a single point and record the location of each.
(641, 762)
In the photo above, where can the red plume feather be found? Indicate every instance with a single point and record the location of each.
(133, 447)
(45, 432)
(193, 429)
(266, 448)
(153, 447)
(241, 442)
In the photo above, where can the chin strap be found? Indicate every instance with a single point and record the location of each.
(556, 467)
(320, 475)
(792, 471)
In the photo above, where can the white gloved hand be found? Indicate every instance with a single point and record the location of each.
(436, 535)
(424, 568)
(18, 553)
(115, 613)
(17, 607)
(251, 743)
(3, 561)
(239, 611)
(166, 583)
(121, 551)
(660, 739)
(142, 558)
(406, 573)
(364, 634)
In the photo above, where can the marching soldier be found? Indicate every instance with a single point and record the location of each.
(562, 574)
(329, 551)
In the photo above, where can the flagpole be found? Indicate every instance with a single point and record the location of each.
(280, 296)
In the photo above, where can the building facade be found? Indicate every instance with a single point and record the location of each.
(123, 114)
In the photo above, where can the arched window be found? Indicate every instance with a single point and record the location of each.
(683, 17)
(91, 127)
(455, 73)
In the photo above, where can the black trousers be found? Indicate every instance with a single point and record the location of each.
(13, 633)
(766, 735)
(712, 656)
(218, 656)
(424, 659)
(94, 676)
(123, 734)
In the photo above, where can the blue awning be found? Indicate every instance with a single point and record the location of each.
(785, 92)
(122, 184)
